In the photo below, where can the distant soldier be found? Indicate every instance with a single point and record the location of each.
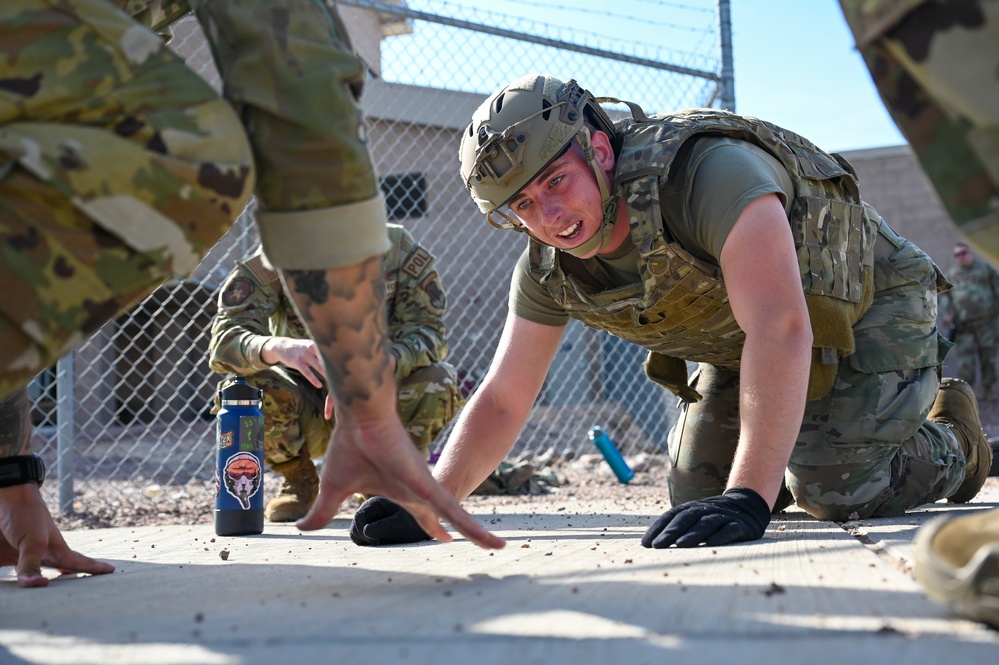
(972, 308)
(257, 334)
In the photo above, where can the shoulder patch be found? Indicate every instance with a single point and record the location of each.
(432, 287)
(264, 273)
(416, 263)
(237, 291)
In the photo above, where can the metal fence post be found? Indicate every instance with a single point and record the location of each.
(727, 78)
(65, 429)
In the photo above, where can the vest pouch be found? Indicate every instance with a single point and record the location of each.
(671, 374)
(835, 241)
(832, 323)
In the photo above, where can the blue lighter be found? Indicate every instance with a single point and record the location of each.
(611, 454)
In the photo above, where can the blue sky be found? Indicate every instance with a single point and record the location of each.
(795, 66)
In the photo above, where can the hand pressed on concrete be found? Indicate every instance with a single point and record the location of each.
(738, 515)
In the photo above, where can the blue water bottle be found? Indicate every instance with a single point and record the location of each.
(239, 468)
(611, 454)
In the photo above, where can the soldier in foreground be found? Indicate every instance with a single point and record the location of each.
(121, 167)
(257, 334)
(936, 66)
(710, 237)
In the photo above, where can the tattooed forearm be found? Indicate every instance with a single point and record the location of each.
(15, 424)
(344, 309)
(310, 283)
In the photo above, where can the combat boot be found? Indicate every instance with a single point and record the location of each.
(956, 408)
(957, 563)
(299, 488)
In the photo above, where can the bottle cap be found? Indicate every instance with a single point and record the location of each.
(240, 392)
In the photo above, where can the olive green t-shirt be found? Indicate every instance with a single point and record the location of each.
(700, 204)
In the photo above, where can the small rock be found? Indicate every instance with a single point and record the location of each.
(153, 491)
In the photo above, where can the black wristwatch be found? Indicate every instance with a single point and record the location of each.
(21, 469)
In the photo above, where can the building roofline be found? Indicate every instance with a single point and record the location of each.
(903, 150)
(419, 105)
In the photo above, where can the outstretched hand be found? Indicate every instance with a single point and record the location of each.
(29, 539)
(381, 459)
(738, 515)
(381, 522)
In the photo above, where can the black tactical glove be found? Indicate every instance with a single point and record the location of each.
(381, 522)
(738, 515)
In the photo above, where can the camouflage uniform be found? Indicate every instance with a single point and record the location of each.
(252, 307)
(973, 303)
(936, 66)
(120, 167)
(865, 445)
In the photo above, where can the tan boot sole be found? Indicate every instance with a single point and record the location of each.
(972, 590)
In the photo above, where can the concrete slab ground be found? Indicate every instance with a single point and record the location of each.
(572, 586)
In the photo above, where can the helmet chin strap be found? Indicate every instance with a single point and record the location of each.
(609, 203)
(603, 234)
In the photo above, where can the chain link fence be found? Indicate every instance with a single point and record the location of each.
(130, 410)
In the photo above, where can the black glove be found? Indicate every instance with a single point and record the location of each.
(738, 515)
(381, 522)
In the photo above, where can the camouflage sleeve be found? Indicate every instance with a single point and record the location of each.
(936, 68)
(415, 308)
(241, 326)
(289, 71)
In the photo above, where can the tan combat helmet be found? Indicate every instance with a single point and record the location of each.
(521, 129)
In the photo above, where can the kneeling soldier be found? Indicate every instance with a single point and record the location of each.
(257, 334)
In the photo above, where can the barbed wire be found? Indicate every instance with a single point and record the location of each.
(575, 32)
(627, 17)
